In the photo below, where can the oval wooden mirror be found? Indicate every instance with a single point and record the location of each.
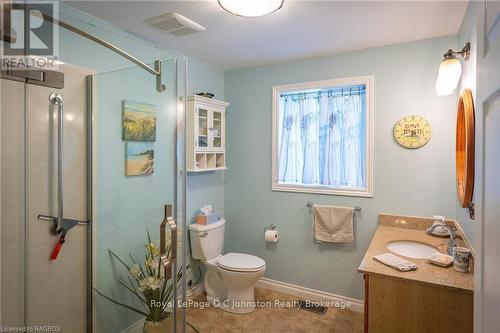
(465, 149)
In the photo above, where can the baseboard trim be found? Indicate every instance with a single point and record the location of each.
(308, 293)
(191, 293)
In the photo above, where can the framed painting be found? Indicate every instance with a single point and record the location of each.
(138, 121)
(139, 158)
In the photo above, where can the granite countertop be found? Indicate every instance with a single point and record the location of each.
(392, 228)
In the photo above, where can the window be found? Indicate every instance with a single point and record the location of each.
(323, 137)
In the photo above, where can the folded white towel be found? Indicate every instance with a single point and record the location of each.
(332, 224)
(396, 262)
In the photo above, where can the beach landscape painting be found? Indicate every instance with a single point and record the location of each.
(138, 121)
(139, 158)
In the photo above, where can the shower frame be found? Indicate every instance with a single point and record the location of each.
(156, 70)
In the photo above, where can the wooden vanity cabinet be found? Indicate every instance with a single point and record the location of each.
(397, 305)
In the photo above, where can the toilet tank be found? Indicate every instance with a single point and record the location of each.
(207, 241)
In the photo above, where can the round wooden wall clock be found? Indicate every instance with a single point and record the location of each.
(412, 132)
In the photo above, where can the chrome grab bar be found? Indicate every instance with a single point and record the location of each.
(62, 225)
(56, 99)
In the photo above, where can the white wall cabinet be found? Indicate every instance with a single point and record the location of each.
(205, 142)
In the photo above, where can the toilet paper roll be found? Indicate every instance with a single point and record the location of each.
(271, 236)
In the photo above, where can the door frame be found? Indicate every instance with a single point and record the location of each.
(487, 93)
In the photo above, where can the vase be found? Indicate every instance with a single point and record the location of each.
(162, 326)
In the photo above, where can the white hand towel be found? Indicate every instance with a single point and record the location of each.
(332, 224)
(396, 262)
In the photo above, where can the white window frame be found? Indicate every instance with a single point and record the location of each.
(326, 189)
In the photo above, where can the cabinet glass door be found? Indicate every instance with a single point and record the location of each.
(203, 128)
(216, 129)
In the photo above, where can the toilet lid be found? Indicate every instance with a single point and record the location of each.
(241, 262)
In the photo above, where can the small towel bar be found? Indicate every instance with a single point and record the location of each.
(356, 209)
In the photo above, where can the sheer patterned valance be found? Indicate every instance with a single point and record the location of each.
(322, 137)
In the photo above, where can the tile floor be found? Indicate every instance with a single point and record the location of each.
(274, 319)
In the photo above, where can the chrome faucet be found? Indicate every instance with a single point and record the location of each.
(451, 230)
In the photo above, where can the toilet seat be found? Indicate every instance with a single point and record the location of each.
(240, 262)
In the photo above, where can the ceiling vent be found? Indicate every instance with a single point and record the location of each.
(175, 23)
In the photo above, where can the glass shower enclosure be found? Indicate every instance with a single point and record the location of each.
(137, 176)
(93, 198)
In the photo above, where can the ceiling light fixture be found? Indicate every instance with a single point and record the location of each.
(450, 71)
(251, 8)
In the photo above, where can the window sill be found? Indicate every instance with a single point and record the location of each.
(347, 191)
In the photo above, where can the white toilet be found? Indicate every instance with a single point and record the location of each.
(230, 279)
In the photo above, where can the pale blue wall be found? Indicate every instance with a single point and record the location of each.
(413, 182)
(126, 207)
(468, 33)
(205, 188)
(417, 182)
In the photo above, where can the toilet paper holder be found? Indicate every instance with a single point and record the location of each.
(272, 226)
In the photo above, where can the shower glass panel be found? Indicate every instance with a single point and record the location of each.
(138, 159)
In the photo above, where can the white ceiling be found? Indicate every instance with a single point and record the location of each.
(301, 29)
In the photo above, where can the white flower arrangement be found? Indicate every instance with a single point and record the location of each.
(148, 284)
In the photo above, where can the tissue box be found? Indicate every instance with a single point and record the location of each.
(207, 219)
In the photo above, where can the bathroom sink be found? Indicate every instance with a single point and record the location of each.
(412, 249)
